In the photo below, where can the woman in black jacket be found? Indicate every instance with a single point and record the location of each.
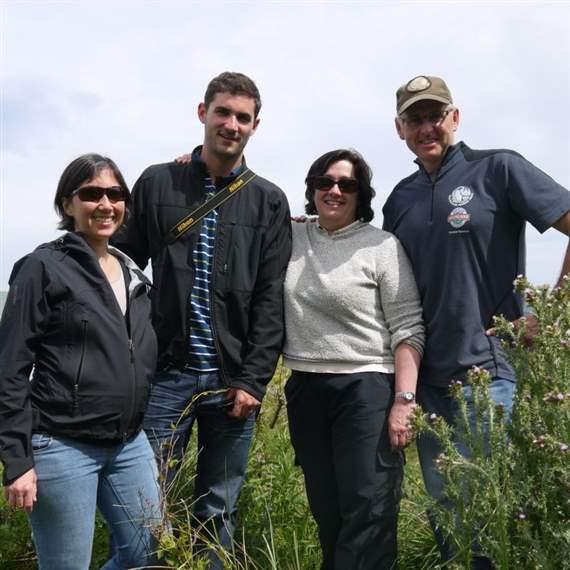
(77, 352)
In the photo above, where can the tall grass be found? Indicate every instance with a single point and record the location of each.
(275, 529)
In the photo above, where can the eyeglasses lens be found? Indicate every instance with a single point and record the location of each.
(95, 193)
(325, 183)
(434, 118)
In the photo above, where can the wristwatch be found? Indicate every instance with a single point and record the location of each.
(406, 396)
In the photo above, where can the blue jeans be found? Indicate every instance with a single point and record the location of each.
(178, 398)
(74, 478)
(438, 400)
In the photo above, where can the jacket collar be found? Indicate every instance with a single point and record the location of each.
(201, 166)
(73, 243)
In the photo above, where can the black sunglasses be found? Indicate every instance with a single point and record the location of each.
(95, 193)
(345, 184)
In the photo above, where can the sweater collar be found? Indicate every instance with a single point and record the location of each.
(341, 232)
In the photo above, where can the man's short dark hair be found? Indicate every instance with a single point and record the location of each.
(81, 170)
(235, 84)
(362, 173)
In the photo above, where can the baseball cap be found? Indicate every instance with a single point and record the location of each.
(420, 88)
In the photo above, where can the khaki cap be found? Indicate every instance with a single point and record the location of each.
(420, 88)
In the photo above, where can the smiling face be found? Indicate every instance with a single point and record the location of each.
(229, 121)
(97, 221)
(336, 209)
(428, 139)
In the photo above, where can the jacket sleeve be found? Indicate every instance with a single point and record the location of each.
(266, 324)
(132, 239)
(23, 321)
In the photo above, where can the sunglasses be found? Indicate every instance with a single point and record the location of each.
(95, 193)
(345, 184)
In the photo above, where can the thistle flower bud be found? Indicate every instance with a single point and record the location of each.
(553, 397)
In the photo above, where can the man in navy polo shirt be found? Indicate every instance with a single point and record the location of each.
(461, 218)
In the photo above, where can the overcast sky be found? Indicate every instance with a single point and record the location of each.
(125, 78)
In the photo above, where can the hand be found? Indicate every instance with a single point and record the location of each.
(22, 493)
(304, 218)
(531, 328)
(399, 428)
(244, 403)
(184, 158)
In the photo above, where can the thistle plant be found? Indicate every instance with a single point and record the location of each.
(509, 488)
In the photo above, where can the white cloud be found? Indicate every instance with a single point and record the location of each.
(124, 79)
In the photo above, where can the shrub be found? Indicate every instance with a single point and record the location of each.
(514, 502)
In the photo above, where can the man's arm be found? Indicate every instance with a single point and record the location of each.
(132, 238)
(531, 322)
(563, 225)
(266, 322)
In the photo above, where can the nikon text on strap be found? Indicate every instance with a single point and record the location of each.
(183, 225)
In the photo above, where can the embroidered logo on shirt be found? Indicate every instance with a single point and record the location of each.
(458, 217)
(460, 196)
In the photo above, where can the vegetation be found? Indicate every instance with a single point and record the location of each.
(517, 497)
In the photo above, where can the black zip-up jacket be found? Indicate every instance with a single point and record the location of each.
(91, 366)
(252, 248)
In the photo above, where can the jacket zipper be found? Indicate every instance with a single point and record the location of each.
(131, 344)
(126, 319)
(432, 201)
(80, 367)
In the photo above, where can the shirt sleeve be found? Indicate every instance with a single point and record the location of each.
(534, 195)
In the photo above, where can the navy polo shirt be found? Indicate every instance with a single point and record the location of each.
(464, 232)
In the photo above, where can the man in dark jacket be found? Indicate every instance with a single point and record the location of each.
(217, 308)
(461, 219)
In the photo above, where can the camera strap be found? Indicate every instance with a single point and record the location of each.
(183, 225)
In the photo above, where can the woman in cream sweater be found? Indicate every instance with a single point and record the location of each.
(354, 341)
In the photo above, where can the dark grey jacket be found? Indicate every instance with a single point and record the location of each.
(252, 248)
(91, 366)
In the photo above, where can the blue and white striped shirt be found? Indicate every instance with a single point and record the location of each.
(201, 345)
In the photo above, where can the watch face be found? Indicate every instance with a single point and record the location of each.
(407, 396)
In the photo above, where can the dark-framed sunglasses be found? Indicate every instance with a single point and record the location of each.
(345, 184)
(95, 193)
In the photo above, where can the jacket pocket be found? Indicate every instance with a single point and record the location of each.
(82, 345)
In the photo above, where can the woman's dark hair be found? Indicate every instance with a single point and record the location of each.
(81, 170)
(362, 173)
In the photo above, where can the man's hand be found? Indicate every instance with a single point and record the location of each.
(531, 328)
(399, 429)
(304, 218)
(22, 493)
(244, 404)
(184, 158)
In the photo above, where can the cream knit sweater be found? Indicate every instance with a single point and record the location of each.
(350, 299)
